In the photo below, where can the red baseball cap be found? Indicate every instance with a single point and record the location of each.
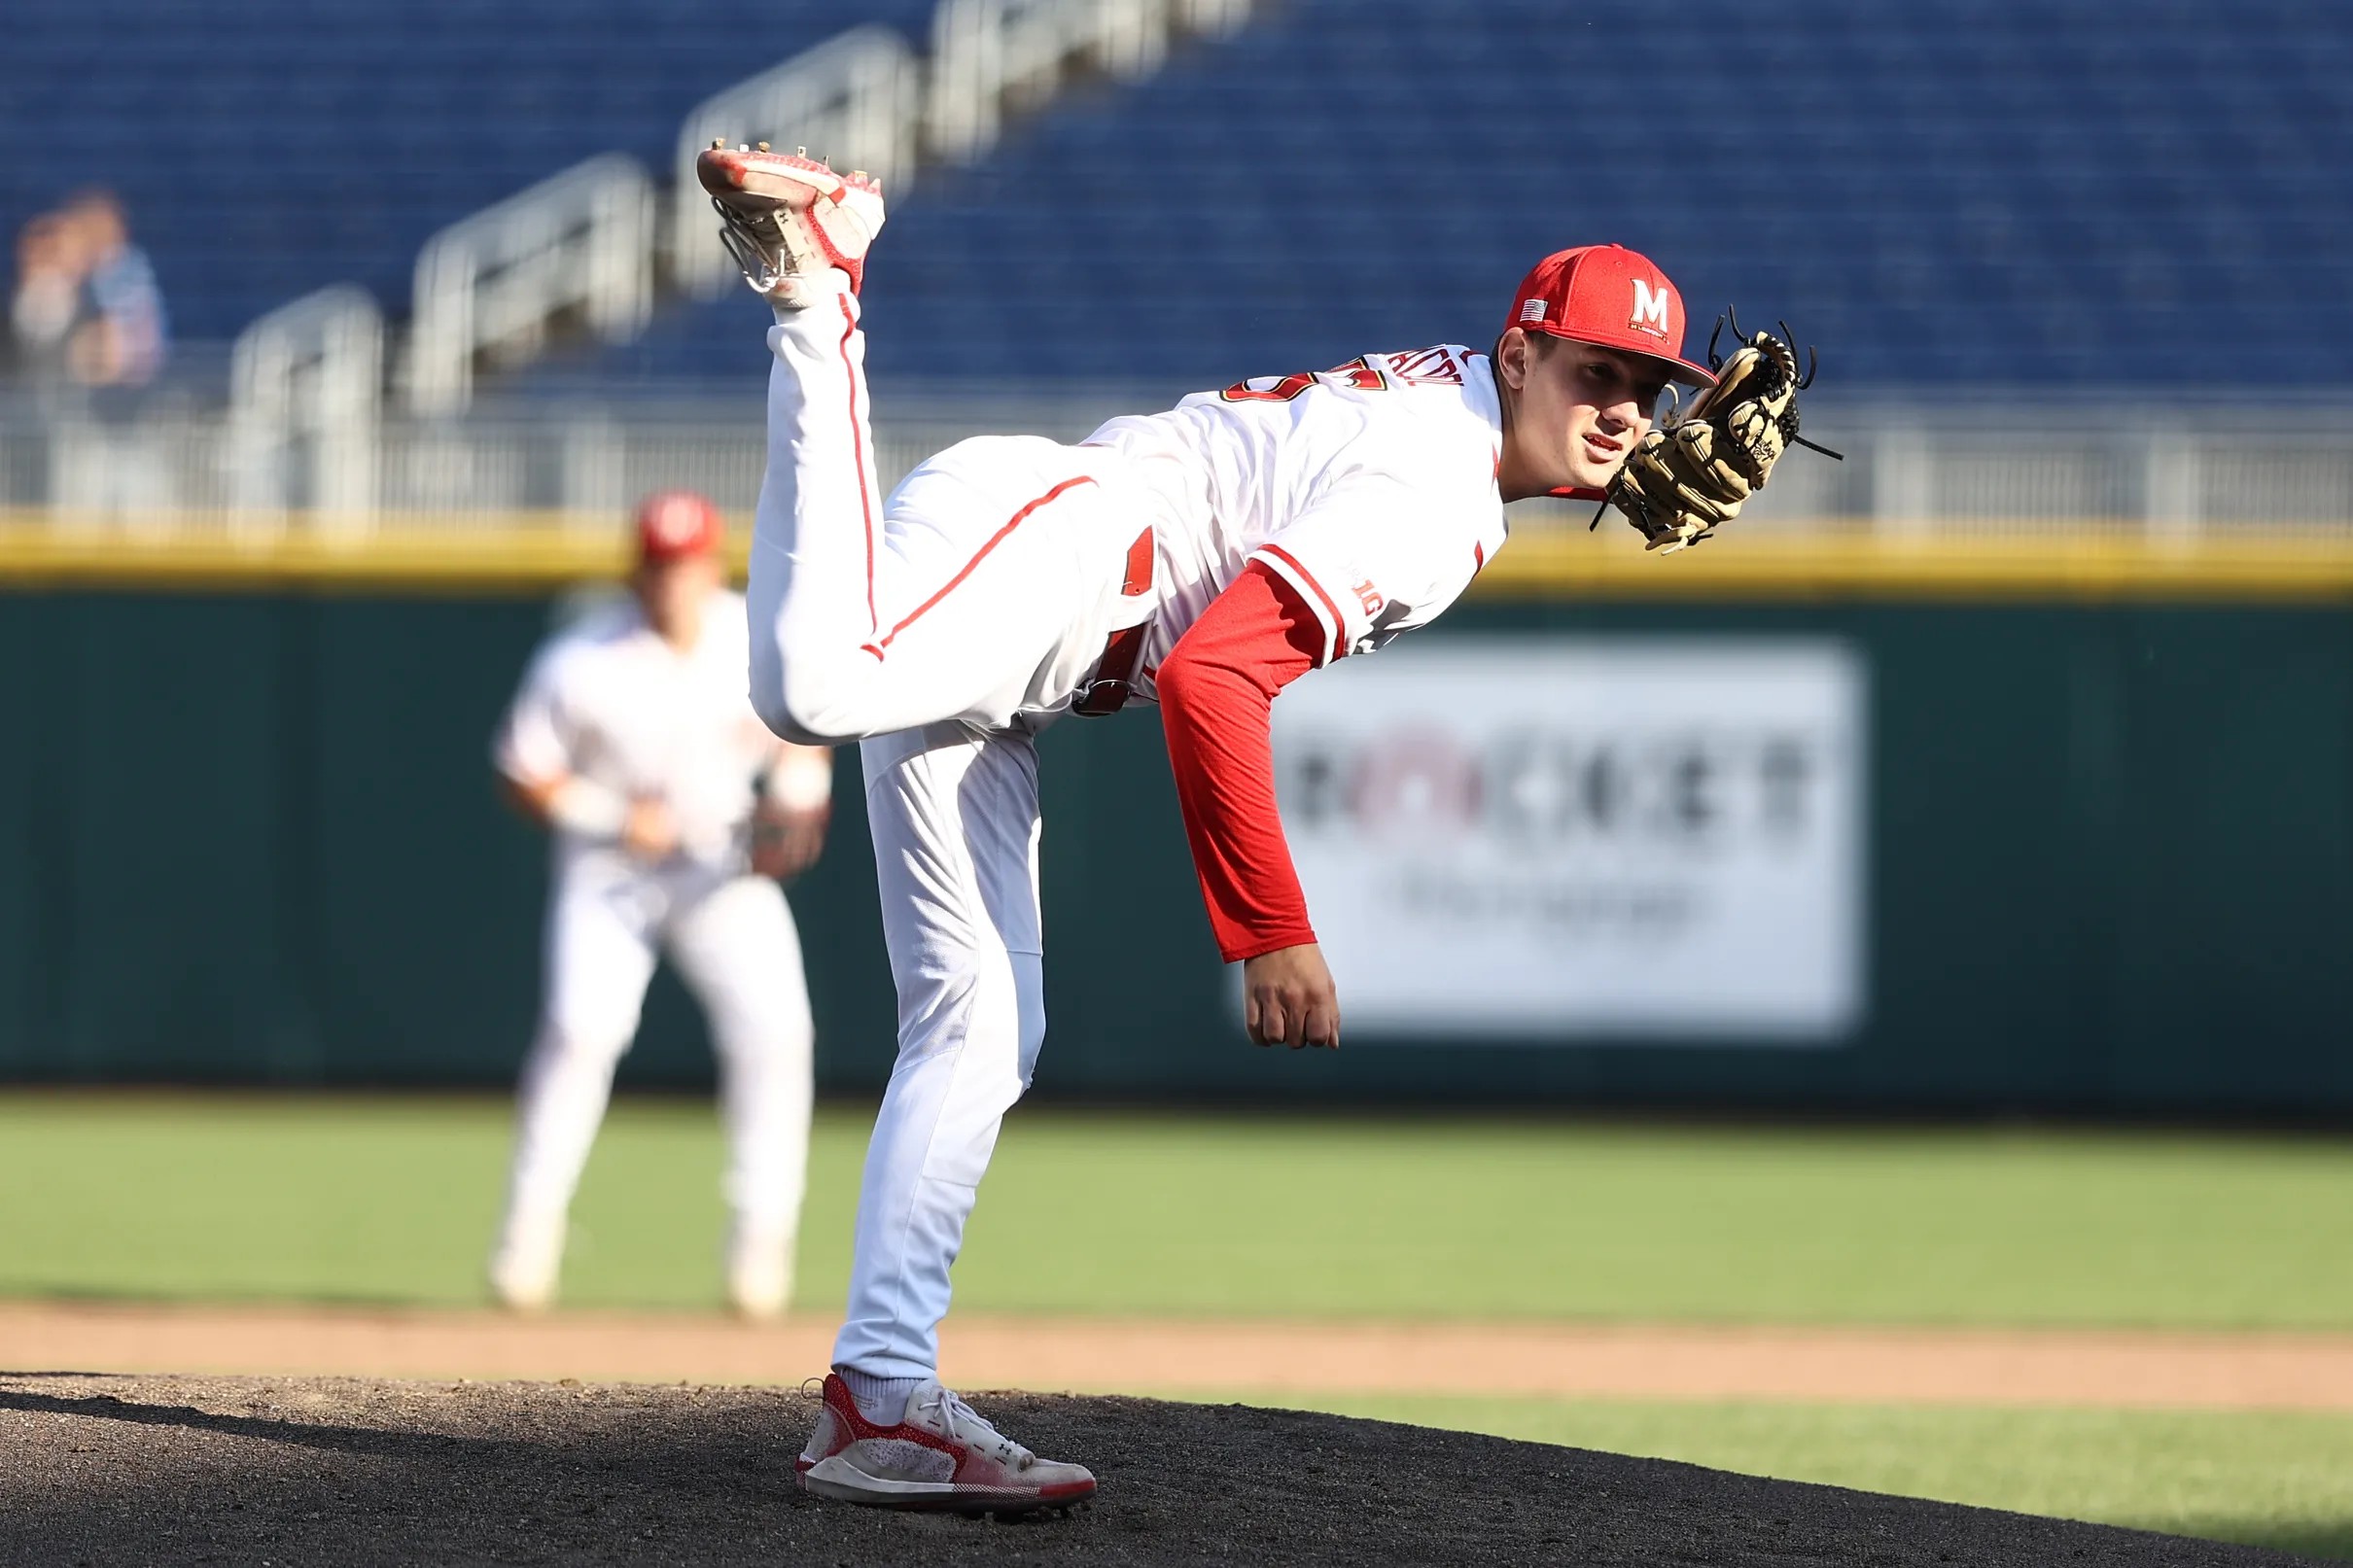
(677, 525)
(1608, 296)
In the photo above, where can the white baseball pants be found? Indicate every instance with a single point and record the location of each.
(927, 626)
(981, 589)
(734, 943)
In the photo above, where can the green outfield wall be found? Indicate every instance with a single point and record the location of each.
(248, 835)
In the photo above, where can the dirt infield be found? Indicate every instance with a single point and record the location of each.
(2052, 1367)
(183, 1470)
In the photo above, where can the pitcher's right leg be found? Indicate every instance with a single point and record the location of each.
(801, 233)
(819, 530)
(870, 614)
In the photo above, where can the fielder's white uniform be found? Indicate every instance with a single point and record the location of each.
(609, 701)
(946, 624)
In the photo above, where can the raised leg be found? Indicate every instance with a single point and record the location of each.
(819, 536)
(976, 588)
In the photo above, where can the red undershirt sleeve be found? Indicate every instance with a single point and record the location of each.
(1216, 691)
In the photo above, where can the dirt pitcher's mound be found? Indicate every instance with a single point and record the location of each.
(177, 1470)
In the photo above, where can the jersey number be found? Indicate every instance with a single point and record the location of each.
(1361, 377)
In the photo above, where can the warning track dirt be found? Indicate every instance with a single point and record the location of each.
(2106, 1368)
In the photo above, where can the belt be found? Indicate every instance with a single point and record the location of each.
(1107, 690)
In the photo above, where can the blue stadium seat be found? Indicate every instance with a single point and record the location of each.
(2039, 191)
(271, 147)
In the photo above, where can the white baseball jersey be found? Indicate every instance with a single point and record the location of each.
(1371, 489)
(608, 701)
(981, 592)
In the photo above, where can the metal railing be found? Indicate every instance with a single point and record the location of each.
(591, 245)
(995, 58)
(1911, 469)
(303, 405)
(494, 285)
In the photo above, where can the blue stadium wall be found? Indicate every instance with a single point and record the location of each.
(250, 838)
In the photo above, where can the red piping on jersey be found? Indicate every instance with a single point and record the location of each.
(1339, 625)
(858, 437)
(1138, 578)
(876, 647)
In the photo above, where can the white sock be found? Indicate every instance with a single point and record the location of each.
(879, 1400)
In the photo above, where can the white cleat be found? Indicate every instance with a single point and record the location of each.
(941, 1456)
(786, 219)
(526, 1263)
(759, 1273)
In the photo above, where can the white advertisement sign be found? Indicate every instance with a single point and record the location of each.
(1617, 837)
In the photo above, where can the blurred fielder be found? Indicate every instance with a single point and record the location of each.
(632, 741)
(1199, 559)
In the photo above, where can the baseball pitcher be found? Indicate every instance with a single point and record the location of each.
(632, 742)
(1199, 559)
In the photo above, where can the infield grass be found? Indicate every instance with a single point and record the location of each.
(2276, 1480)
(392, 1199)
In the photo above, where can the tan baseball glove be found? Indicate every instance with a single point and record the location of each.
(1697, 468)
(786, 840)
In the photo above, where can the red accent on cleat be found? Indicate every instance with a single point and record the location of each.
(792, 214)
(939, 1455)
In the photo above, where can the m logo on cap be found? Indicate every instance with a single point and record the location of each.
(1650, 309)
(1575, 293)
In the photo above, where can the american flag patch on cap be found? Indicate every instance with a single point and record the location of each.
(1533, 310)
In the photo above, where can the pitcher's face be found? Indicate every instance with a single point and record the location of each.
(1579, 410)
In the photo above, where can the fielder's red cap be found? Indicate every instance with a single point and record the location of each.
(1612, 296)
(676, 525)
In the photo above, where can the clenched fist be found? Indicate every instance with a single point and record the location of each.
(1287, 999)
(650, 833)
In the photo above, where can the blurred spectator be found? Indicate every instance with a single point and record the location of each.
(51, 267)
(86, 304)
(119, 339)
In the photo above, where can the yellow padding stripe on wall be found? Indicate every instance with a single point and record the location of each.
(504, 553)
(2072, 564)
(455, 554)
